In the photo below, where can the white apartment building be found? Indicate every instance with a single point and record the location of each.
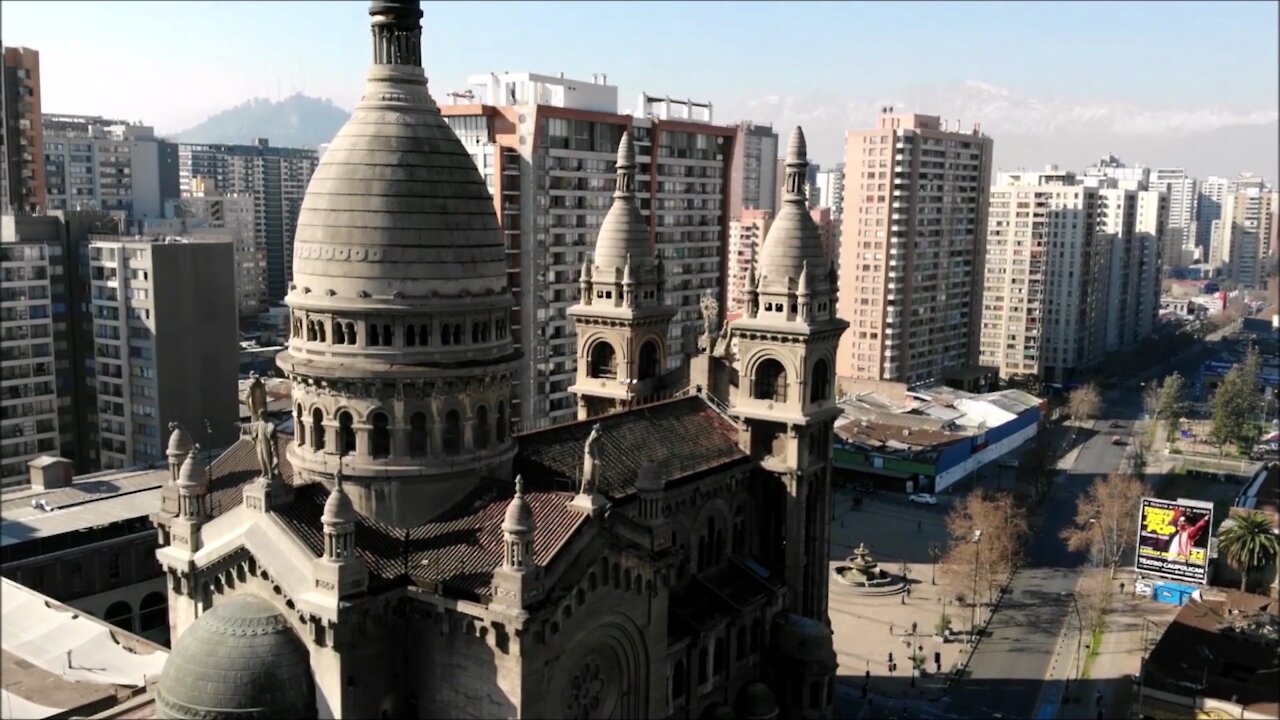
(1127, 177)
(1245, 235)
(275, 177)
(1043, 295)
(28, 383)
(828, 191)
(1213, 190)
(745, 237)
(165, 344)
(92, 163)
(549, 160)
(1180, 234)
(1130, 230)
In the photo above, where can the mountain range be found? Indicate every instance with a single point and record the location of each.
(296, 121)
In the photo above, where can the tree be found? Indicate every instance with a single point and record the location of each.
(1106, 522)
(1237, 403)
(1035, 467)
(1004, 532)
(1084, 403)
(1151, 399)
(1139, 452)
(1249, 543)
(1170, 404)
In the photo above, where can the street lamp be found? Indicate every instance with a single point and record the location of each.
(935, 552)
(1079, 639)
(973, 605)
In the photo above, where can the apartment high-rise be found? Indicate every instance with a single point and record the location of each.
(277, 179)
(1209, 199)
(23, 131)
(549, 159)
(828, 191)
(755, 179)
(1045, 277)
(1130, 229)
(1128, 177)
(1245, 232)
(745, 236)
(28, 382)
(203, 210)
(911, 248)
(1180, 236)
(92, 163)
(165, 345)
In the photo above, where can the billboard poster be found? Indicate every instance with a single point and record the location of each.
(1173, 539)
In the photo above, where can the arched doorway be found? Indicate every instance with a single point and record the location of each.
(603, 362)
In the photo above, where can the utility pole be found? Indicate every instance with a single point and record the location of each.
(1079, 639)
(973, 602)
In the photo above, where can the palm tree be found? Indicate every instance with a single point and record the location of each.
(1249, 542)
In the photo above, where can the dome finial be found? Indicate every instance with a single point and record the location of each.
(519, 517)
(797, 165)
(626, 166)
(397, 32)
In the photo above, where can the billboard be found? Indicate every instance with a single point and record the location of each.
(1173, 539)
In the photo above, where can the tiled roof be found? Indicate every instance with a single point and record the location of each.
(684, 437)
(460, 550)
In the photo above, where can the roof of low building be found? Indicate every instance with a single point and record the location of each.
(1222, 645)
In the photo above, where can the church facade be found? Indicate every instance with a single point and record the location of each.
(402, 554)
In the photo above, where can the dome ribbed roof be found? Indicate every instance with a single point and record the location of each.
(338, 508)
(192, 476)
(519, 516)
(793, 238)
(240, 659)
(624, 232)
(179, 440)
(396, 207)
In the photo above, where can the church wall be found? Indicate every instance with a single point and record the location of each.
(459, 670)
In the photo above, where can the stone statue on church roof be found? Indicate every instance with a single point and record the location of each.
(591, 458)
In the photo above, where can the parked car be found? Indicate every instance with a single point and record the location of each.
(1115, 424)
(923, 499)
(1117, 440)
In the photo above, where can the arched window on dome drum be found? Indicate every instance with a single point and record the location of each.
(445, 335)
(649, 362)
(820, 381)
(424, 332)
(410, 336)
(320, 331)
(502, 421)
(770, 381)
(457, 333)
(301, 421)
(311, 330)
(475, 333)
(380, 441)
(317, 429)
(418, 435)
(351, 333)
(481, 430)
(339, 337)
(719, 658)
(388, 336)
(452, 433)
(374, 335)
(346, 434)
(603, 361)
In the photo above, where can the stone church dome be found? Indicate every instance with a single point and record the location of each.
(240, 659)
(624, 232)
(396, 209)
(794, 239)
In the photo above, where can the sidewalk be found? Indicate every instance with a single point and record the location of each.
(1107, 692)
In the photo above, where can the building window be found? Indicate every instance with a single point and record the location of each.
(418, 435)
(452, 433)
(502, 421)
(381, 440)
(346, 434)
(481, 429)
(820, 383)
(317, 429)
(604, 361)
(770, 381)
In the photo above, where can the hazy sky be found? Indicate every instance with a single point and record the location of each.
(1180, 82)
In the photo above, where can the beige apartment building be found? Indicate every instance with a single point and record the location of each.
(911, 249)
(746, 234)
(1245, 233)
(1131, 225)
(547, 147)
(165, 340)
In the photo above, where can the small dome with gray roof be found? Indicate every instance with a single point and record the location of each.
(179, 441)
(240, 659)
(794, 239)
(623, 238)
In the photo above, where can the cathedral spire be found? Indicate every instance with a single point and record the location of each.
(397, 32)
(797, 166)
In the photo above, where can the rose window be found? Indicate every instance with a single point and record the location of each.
(583, 699)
